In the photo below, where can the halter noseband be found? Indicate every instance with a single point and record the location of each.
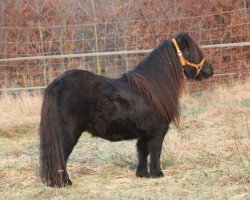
(184, 62)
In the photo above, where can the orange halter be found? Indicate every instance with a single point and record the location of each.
(184, 62)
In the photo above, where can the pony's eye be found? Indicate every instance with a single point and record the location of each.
(186, 54)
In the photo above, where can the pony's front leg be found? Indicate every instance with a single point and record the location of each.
(155, 147)
(142, 169)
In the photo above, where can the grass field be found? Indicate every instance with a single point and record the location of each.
(209, 158)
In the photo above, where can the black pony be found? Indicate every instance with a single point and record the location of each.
(138, 105)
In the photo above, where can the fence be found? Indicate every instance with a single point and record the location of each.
(31, 57)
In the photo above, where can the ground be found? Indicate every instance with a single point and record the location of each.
(208, 158)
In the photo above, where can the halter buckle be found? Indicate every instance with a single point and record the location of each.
(179, 53)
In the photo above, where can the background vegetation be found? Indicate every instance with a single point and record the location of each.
(43, 27)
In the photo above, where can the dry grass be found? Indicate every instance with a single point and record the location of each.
(209, 158)
(22, 108)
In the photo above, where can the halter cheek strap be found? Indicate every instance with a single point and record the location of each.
(184, 62)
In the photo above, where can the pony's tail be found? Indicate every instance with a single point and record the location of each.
(52, 163)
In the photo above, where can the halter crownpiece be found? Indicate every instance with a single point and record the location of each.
(184, 62)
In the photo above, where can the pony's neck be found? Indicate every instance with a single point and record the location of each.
(159, 78)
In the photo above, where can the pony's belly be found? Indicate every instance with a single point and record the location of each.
(117, 131)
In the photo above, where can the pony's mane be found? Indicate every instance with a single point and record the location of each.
(159, 77)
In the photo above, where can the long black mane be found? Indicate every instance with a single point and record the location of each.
(159, 78)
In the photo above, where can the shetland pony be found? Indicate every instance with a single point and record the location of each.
(139, 105)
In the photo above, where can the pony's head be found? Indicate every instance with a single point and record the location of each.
(191, 57)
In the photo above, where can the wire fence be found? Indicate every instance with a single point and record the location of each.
(31, 57)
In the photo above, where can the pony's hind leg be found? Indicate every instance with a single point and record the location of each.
(72, 132)
(142, 169)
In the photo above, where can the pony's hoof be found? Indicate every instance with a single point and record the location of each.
(68, 183)
(156, 174)
(59, 185)
(142, 173)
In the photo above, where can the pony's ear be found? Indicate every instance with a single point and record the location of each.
(181, 34)
(182, 39)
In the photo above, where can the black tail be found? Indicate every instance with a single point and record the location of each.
(52, 163)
